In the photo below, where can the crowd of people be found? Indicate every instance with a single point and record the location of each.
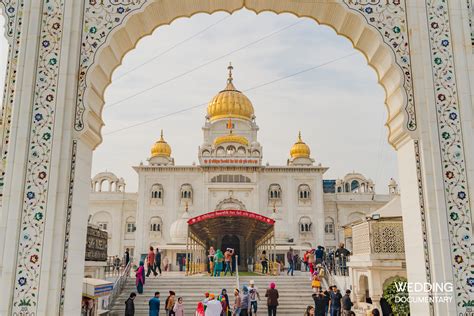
(245, 303)
(221, 262)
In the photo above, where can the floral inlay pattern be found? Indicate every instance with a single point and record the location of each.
(389, 18)
(100, 18)
(14, 11)
(11, 8)
(452, 152)
(33, 215)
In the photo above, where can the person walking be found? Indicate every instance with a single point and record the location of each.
(224, 298)
(254, 297)
(272, 299)
(319, 254)
(347, 303)
(214, 307)
(342, 254)
(117, 265)
(237, 303)
(199, 309)
(291, 261)
(158, 260)
(218, 262)
(264, 262)
(130, 305)
(151, 263)
(335, 305)
(178, 308)
(140, 278)
(250, 263)
(169, 303)
(154, 305)
(126, 257)
(228, 259)
(245, 306)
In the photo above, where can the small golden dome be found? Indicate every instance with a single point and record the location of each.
(161, 148)
(230, 102)
(231, 138)
(300, 149)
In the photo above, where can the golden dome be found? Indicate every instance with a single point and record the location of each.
(300, 149)
(230, 102)
(161, 148)
(231, 138)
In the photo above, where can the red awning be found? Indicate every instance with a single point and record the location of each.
(231, 213)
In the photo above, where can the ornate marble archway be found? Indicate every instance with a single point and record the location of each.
(62, 55)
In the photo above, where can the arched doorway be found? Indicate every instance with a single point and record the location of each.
(68, 66)
(233, 242)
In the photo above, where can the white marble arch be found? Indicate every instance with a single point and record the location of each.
(61, 59)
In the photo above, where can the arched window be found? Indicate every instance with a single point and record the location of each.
(274, 191)
(220, 151)
(305, 224)
(329, 226)
(186, 191)
(130, 225)
(339, 189)
(155, 224)
(354, 185)
(157, 192)
(304, 192)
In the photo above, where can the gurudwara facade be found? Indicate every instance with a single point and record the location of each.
(308, 210)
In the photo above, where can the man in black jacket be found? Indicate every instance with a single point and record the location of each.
(130, 305)
(347, 303)
(320, 304)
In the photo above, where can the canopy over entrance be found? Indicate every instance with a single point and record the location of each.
(249, 225)
(248, 233)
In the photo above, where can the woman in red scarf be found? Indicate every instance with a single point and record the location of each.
(140, 278)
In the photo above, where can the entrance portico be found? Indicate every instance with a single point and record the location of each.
(248, 233)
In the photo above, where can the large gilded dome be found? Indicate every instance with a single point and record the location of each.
(300, 149)
(161, 148)
(230, 102)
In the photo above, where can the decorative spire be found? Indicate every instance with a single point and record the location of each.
(230, 67)
(299, 137)
(161, 136)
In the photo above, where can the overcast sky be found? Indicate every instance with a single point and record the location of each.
(339, 107)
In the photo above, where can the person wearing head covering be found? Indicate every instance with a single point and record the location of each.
(272, 299)
(245, 306)
(214, 307)
(224, 298)
(178, 308)
(254, 296)
(218, 262)
(140, 277)
(199, 309)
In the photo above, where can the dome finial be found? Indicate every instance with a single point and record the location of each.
(300, 140)
(230, 68)
(161, 135)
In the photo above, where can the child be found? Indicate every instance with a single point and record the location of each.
(316, 282)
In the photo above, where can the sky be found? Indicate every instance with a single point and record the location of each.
(338, 104)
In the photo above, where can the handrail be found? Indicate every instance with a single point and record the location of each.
(237, 281)
(119, 283)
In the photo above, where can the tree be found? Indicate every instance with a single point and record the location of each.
(396, 294)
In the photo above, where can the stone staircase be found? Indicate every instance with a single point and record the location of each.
(295, 292)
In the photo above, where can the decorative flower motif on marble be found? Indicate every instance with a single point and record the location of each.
(30, 247)
(14, 12)
(100, 18)
(390, 19)
(452, 154)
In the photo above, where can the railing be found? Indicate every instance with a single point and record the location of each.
(119, 283)
(237, 281)
(378, 237)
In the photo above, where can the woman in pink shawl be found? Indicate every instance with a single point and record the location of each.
(140, 278)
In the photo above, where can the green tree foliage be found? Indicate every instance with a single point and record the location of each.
(396, 294)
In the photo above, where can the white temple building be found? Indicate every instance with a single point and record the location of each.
(308, 210)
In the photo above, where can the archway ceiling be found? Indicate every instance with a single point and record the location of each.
(213, 225)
